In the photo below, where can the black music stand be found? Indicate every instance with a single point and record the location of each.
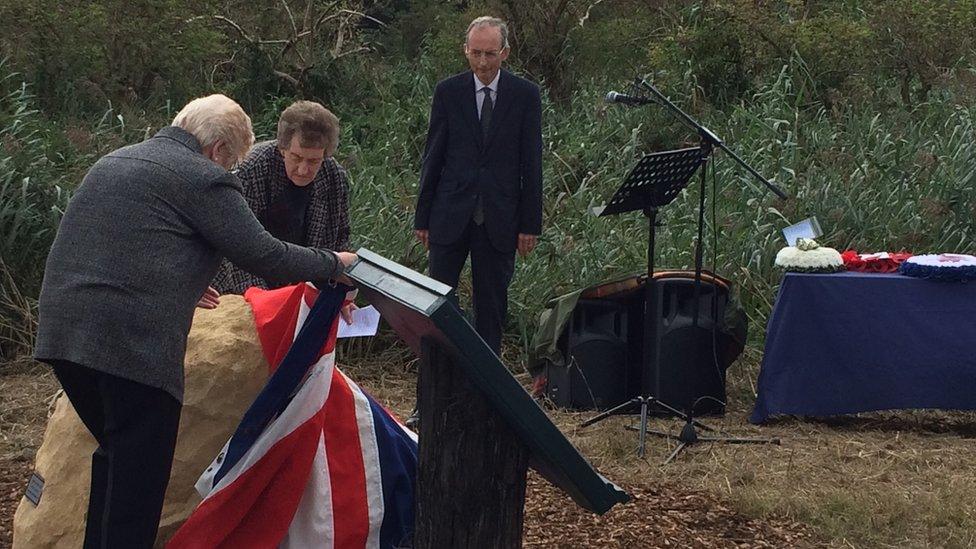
(654, 182)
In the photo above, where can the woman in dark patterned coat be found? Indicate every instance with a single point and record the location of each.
(296, 189)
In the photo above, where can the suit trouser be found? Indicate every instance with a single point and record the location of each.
(135, 426)
(491, 273)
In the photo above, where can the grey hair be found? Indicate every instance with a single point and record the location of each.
(489, 21)
(217, 118)
(315, 125)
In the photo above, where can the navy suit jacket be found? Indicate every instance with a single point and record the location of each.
(504, 168)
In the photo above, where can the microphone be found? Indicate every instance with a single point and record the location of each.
(614, 97)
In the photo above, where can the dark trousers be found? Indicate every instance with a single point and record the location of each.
(491, 273)
(135, 426)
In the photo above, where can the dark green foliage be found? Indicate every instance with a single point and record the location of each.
(30, 197)
(614, 49)
(921, 41)
(876, 182)
(721, 53)
(80, 55)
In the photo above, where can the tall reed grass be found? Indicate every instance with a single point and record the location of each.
(30, 206)
(877, 177)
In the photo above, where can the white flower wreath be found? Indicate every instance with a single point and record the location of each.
(809, 257)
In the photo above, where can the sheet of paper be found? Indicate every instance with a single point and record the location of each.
(808, 228)
(365, 321)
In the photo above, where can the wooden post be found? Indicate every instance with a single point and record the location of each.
(472, 466)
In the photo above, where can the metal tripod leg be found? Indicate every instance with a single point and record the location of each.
(604, 415)
(740, 440)
(644, 431)
(674, 454)
(682, 442)
(689, 437)
(645, 403)
(642, 436)
(685, 441)
(679, 414)
(655, 432)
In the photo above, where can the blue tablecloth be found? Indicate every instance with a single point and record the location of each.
(856, 342)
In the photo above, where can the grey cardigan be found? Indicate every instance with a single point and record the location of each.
(139, 242)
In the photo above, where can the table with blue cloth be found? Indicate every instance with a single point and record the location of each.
(856, 342)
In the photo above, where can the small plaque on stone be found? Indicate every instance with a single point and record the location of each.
(35, 486)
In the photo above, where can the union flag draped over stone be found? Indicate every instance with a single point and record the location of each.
(315, 461)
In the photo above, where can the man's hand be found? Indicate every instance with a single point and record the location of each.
(347, 259)
(526, 243)
(210, 299)
(346, 312)
(423, 235)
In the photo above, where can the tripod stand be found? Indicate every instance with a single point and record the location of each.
(689, 435)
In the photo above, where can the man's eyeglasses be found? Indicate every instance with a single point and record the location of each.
(478, 54)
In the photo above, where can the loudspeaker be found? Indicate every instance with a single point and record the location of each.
(690, 373)
(604, 340)
(597, 374)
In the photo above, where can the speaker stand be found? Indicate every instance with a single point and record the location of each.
(645, 402)
(655, 182)
(689, 436)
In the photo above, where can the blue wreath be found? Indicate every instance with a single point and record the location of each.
(931, 272)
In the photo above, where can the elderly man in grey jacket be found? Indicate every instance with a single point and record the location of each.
(138, 244)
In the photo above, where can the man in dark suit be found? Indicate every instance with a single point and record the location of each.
(481, 180)
(139, 242)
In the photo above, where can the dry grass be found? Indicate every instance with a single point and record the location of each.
(27, 390)
(18, 318)
(658, 515)
(889, 480)
(897, 479)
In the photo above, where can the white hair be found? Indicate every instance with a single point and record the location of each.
(217, 118)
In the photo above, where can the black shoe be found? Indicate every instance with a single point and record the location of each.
(413, 422)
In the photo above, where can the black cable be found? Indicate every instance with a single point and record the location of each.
(705, 397)
(715, 319)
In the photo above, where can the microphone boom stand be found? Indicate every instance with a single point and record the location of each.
(707, 135)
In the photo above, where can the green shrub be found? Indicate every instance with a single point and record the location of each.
(81, 55)
(920, 42)
(806, 92)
